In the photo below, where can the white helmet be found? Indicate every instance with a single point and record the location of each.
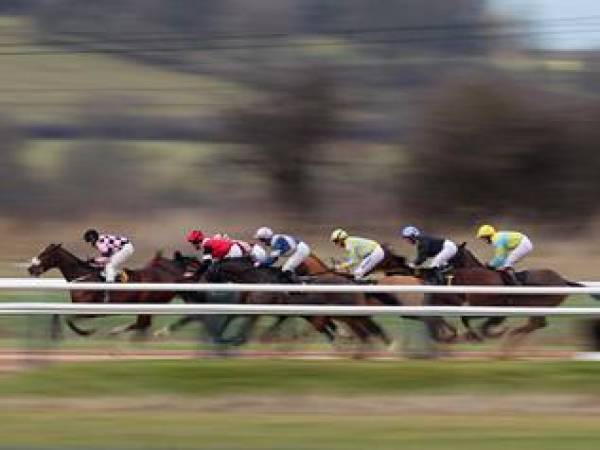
(263, 233)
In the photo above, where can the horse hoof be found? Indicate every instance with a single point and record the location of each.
(162, 333)
(496, 334)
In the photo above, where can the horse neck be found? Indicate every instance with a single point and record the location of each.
(314, 265)
(470, 260)
(72, 267)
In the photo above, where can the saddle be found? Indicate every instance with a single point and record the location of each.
(122, 277)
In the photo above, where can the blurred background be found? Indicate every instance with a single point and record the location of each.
(149, 117)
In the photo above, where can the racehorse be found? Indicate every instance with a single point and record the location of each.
(402, 275)
(189, 269)
(468, 270)
(241, 270)
(76, 270)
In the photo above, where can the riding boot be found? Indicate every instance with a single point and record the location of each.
(291, 277)
(438, 276)
(511, 276)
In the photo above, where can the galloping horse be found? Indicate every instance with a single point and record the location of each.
(241, 270)
(403, 275)
(468, 270)
(75, 269)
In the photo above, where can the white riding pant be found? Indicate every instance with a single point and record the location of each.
(369, 263)
(116, 261)
(302, 252)
(258, 254)
(235, 252)
(518, 253)
(449, 250)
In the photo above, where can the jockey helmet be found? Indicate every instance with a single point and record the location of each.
(263, 233)
(339, 235)
(91, 236)
(486, 231)
(195, 236)
(410, 232)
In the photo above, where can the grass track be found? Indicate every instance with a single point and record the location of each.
(294, 432)
(219, 377)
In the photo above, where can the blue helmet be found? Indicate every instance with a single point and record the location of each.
(410, 232)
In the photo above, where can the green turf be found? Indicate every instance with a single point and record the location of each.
(217, 377)
(183, 430)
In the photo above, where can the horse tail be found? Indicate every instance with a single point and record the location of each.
(576, 284)
(383, 297)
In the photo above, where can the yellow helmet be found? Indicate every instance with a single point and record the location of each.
(338, 235)
(486, 231)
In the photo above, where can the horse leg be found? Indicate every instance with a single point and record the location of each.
(374, 329)
(141, 325)
(174, 326)
(71, 322)
(358, 329)
(470, 335)
(322, 325)
(270, 332)
(517, 335)
(245, 331)
(534, 323)
(489, 324)
(435, 325)
(56, 332)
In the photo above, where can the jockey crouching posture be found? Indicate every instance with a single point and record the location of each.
(114, 251)
(510, 247)
(221, 246)
(441, 250)
(283, 245)
(363, 254)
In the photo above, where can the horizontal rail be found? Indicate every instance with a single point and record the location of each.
(288, 310)
(26, 284)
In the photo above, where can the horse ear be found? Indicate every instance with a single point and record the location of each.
(463, 245)
(177, 255)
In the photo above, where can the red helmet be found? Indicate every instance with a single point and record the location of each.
(195, 236)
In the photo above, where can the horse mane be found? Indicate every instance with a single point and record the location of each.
(56, 246)
(469, 254)
(319, 260)
(387, 249)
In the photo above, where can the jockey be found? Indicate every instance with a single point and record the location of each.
(283, 245)
(441, 250)
(363, 254)
(511, 247)
(114, 251)
(219, 247)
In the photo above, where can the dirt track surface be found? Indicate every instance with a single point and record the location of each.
(363, 404)
(19, 359)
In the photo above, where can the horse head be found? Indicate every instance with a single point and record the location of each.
(49, 258)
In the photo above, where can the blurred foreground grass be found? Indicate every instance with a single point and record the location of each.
(182, 430)
(206, 378)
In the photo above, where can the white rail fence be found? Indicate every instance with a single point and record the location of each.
(25, 284)
(287, 310)
(20, 284)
